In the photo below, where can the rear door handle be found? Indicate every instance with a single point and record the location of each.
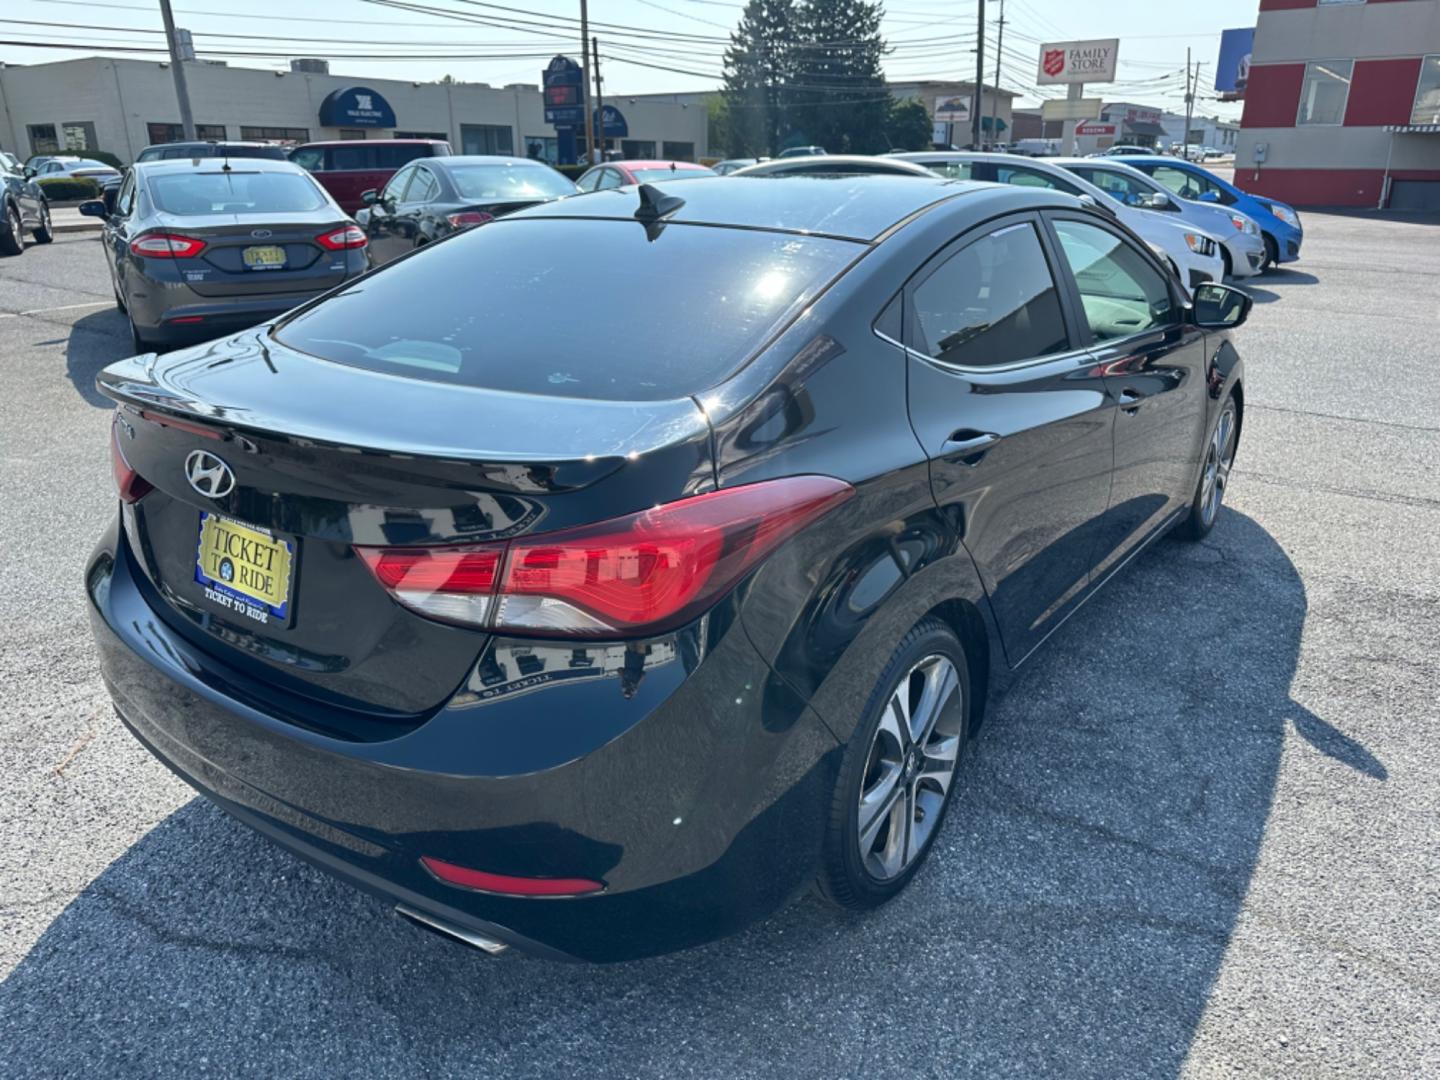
(1130, 400)
(968, 441)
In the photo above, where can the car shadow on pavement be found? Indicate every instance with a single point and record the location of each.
(96, 340)
(1071, 921)
(1280, 277)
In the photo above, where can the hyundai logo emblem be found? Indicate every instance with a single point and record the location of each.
(209, 475)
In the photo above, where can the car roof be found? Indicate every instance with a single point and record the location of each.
(861, 208)
(895, 164)
(657, 163)
(218, 164)
(480, 159)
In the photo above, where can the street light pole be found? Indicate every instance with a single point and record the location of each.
(979, 78)
(177, 72)
(995, 97)
(599, 94)
(585, 95)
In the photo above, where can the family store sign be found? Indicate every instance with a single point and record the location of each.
(1078, 61)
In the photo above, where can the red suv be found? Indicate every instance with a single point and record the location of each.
(348, 167)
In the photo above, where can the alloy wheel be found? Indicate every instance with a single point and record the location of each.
(1218, 460)
(910, 767)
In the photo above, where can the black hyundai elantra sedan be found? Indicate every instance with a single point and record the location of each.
(595, 580)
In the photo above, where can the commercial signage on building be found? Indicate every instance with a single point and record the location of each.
(1095, 129)
(1232, 69)
(952, 109)
(1078, 61)
(1064, 109)
(610, 123)
(564, 81)
(356, 106)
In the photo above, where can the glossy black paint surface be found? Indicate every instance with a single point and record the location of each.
(689, 772)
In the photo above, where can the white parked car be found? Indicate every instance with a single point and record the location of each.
(75, 167)
(1243, 247)
(1193, 253)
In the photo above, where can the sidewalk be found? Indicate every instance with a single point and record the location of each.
(67, 219)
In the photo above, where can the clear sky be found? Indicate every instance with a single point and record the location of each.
(645, 45)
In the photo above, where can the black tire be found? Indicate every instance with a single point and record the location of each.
(1229, 271)
(1272, 254)
(846, 878)
(119, 300)
(137, 338)
(1204, 511)
(43, 233)
(12, 236)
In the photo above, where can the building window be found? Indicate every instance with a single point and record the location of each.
(1324, 92)
(544, 148)
(440, 135)
(487, 139)
(275, 134)
(678, 151)
(637, 148)
(1427, 94)
(352, 134)
(168, 133)
(79, 135)
(43, 139)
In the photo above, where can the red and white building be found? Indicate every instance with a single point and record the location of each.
(1342, 105)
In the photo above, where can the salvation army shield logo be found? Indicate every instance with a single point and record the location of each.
(1053, 62)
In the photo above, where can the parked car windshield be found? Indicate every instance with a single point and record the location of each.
(644, 319)
(234, 192)
(509, 182)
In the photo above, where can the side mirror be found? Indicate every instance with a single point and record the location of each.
(370, 196)
(29, 172)
(1221, 307)
(1158, 200)
(94, 208)
(1209, 196)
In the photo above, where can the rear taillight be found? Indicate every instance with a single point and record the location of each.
(166, 246)
(132, 486)
(646, 572)
(351, 236)
(466, 218)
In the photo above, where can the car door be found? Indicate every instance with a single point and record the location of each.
(1153, 362)
(115, 235)
(423, 190)
(381, 225)
(1013, 417)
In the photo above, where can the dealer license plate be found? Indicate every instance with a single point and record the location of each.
(269, 257)
(244, 568)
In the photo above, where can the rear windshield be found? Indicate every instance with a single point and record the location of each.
(573, 308)
(509, 182)
(185, 193)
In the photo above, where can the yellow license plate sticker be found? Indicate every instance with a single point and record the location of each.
(244, 568)
(269, 257)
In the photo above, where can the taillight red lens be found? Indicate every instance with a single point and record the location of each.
(167, 246)
(469, 217)
(351, 236)
(132, 486)
(646, 572)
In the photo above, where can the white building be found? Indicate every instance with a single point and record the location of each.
(1204, 131)
(122, 106)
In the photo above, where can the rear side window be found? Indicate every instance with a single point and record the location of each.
(351, 158)
(392, 157)
(1121, 292)
(196, 193)
(950, 170)
(1009, 174)
(993, 302)
(518, 305)
(509, 182)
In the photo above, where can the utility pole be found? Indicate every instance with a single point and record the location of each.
(1189, 109)
(975, 140)
(589, 119)
(177, 71)
(599, 93)
(995, 97)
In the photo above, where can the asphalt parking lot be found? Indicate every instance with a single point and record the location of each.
(1198, 838)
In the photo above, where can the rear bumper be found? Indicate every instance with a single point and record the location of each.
(695, 788)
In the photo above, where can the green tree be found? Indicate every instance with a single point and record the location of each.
(908, 126)
(759, 68)
(841, 101)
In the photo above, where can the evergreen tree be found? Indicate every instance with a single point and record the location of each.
(841, 101)
(908, 126)
(759, 70)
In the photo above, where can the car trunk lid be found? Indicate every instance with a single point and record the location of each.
(278, 253)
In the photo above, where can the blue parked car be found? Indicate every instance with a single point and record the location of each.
(1279, 223)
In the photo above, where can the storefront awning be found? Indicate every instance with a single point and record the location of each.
(1144, 127)
(989, 123)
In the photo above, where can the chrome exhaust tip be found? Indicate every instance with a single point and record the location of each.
(447, 929)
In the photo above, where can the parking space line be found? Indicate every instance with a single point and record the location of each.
(46, 310)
